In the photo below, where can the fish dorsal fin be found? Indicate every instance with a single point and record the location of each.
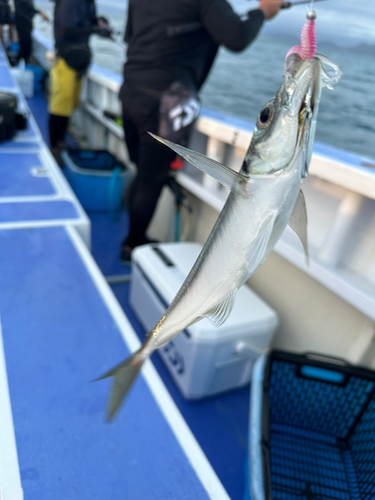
(219, 314)
(231, 179)
(298, 222)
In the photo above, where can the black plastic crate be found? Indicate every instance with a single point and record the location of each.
(318, 429)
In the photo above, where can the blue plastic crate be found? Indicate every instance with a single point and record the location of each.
(97, 178)
(312, 430)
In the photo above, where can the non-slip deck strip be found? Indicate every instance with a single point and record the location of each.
(59, 333)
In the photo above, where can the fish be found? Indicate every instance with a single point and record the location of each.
(265, 196)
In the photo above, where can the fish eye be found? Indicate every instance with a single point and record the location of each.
(265, 116)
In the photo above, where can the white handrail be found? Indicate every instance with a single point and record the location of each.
(350, 174)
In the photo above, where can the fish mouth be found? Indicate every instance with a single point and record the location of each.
(304, 78)
(303, 85)
(304, 81)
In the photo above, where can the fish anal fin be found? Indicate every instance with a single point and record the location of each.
(219, 314)
(298, 222)
(236, 182)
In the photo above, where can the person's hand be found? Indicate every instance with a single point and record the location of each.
(102, 31)
(270, 7)
(44, 16)
(103, 28)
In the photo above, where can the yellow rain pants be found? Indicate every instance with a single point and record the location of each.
(64, 89)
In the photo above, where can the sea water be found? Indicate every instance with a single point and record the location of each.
(239, 84)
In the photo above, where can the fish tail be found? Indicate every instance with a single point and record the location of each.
(124, 375)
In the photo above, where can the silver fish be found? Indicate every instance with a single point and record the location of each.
(265, 196)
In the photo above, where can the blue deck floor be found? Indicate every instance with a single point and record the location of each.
(219, 423)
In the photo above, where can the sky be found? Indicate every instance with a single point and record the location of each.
(342, 22)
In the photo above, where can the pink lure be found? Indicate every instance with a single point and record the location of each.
(307, 49)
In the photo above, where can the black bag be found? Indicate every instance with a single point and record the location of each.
(179, 108)
(8, 105)
(76, 55)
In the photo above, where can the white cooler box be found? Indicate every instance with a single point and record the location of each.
(203, 360)
(25, 79)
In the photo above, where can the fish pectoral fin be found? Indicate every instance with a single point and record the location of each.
(231, 179)
(219, 314)
(298, 222)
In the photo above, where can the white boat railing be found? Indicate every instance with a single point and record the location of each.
(340, 192)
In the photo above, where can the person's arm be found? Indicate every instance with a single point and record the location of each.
(69, 19)
(73, 33)
(27, 10)
(103, 28)
(43, 15)
(129, 24)
(226, 27)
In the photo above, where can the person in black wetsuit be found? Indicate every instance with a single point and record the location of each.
(156, 59)
(74, 22)
(5, 17)
(23, 19)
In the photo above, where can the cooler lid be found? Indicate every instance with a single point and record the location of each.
(167, 265)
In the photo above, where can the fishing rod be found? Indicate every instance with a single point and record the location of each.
(183, 29)
(287, 5)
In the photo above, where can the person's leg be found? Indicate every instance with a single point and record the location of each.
(77, 91)
(153, 167)
(24, 29)
(131, 135)
(12, 31)
(132, 144)
(25, 48)
(141, 115)
(57, 126)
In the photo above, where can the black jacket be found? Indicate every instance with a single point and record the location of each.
(24, 9)
(155, 59)
(74, 21)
